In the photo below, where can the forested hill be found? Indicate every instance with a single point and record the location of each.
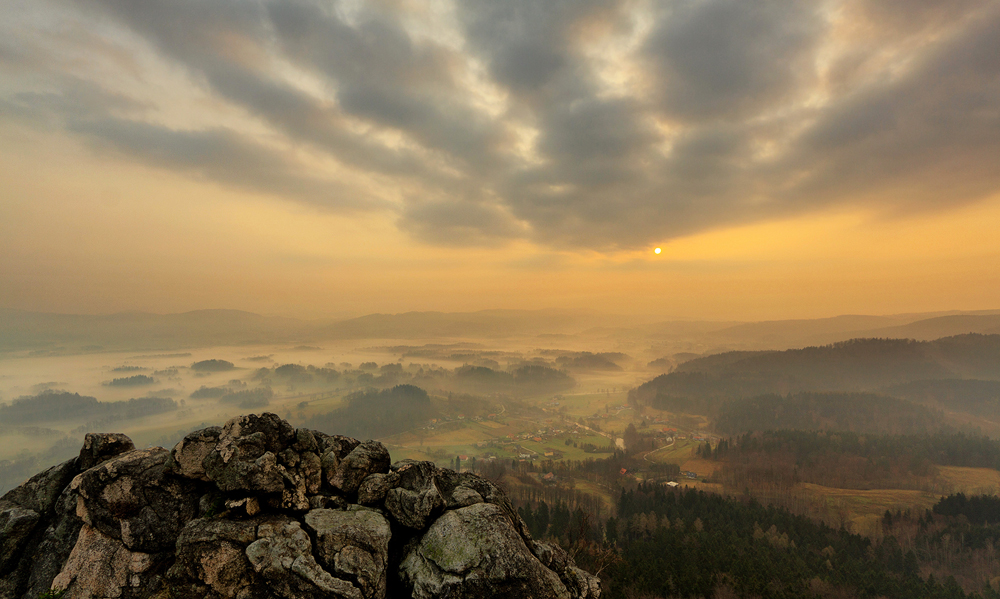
(855, 365)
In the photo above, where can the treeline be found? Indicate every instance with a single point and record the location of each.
(585, 360)
(857, 412)
(569, 526)
(131, 381)
(845, 459)
(212, 366)
(977, 397)
(957, 537)
(249, 398)
(978, 509)
(51, 406)
(296, 373)
(377, 413)
(528, 378)
(693, 544)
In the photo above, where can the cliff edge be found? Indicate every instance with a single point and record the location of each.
(257, 509)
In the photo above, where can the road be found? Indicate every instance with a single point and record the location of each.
(673, 441)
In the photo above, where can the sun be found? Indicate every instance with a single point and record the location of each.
(657, 251)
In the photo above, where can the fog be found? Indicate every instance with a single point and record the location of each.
(483, 380)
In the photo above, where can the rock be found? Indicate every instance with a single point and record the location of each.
(461, 488)
(305, 441)
(245, 457)
(311, 468)
(581, 584)
(128, 498)
(327, 501)
(353, 545)
(210, 558)
(16, 525)
(475, 552)
(41, 491)
(57, 543)
(100, 566)
(333, 449)
(338, 444)
(375, 487)
(187, 457)
(98, 447)
(247, 506)
(282, 555)
(259, 510)
(416, 500)
(370, 457)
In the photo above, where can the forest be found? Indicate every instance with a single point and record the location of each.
(377, 413)
(845, 459)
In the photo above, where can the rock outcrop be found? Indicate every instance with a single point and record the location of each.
(257, 510)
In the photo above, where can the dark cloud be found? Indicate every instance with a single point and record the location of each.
(930, 138)
(459, 222)
(730, 58)
(733, 111)
(219, 155)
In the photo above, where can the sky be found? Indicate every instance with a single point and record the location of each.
(311, 158)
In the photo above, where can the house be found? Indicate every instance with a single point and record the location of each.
(673, 484)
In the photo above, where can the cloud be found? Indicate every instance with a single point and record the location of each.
(219, 155)
(602, 124)
(460, 223)
(926, 139)
(731, 59)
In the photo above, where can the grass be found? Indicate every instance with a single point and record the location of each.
(971, 481)
(680, 452)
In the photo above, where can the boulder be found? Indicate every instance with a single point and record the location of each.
(16, 526)
(333, 449)
(245, 458)
(282, 555)
(187, 457)
(127, 498)
(98, 447)
(41, 491)
(580, 583)
(475, 552)
(461, 489)
(370, 457)
(416, 499)
(210, 559)
(101, 566)
(353, 545)
(376, 486)
(259, 510)
(57, 543)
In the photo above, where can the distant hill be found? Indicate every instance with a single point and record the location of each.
(857, 412)
(138, 330)
(856, 365)
(425, 325)
(783, 334)
(942, 326)
(69, 333)
(972, 396)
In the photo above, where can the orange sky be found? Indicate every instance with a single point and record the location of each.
(826, 189)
